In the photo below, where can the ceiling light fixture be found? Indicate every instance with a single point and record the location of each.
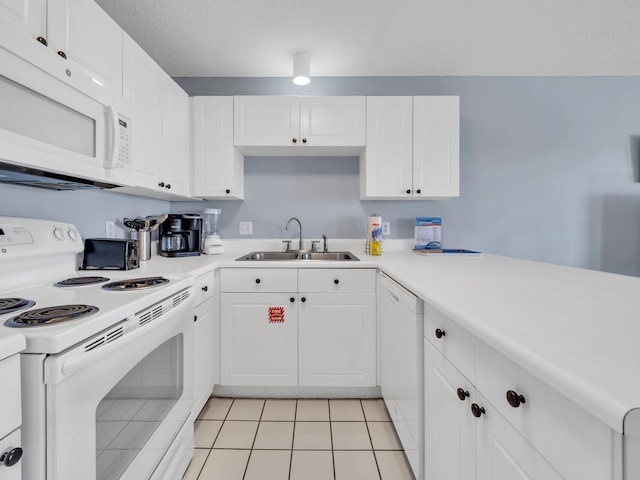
(301, 69)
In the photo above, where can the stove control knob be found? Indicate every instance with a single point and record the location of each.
(58, 233)
(73, 235)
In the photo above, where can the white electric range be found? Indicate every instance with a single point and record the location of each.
(107, 375)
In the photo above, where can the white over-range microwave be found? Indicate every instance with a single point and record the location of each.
(54, 120)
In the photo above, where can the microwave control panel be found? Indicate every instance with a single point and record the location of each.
(122, 158)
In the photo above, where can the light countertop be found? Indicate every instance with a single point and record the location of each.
(577, 330)
(10, 343)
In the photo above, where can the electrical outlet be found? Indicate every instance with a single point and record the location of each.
(246, 228)
(110, 229)
(386, 228)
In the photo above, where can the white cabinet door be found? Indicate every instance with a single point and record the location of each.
(28, 14)
(337, 340)
(218, 168)
(260, 339)
(503, 454)
(436, 144)
(386, 165)
(449, 425)
(89, 38)
(203, 354)
(143, 93)
(332, 121)
(266, 120)
(176, 141)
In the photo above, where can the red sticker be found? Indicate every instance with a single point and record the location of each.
(276, 314)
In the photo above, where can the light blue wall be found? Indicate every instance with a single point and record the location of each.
(549, 171)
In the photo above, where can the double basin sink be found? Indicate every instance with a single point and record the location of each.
(274, 256)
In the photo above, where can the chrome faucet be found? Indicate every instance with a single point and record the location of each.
(300, 225)
(325, 244)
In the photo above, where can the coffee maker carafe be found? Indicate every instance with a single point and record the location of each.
(181, 235)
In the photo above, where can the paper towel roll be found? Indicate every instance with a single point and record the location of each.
(374, 222)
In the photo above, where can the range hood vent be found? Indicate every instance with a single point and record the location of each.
(34, 177)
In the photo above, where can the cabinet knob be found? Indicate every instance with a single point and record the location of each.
(43, 41)
(168, 187)
(408, 191)
(257, 280)
(161, 184)
(292, 299)
(195, 318)
(477, 410)
(294, 140)
(462, 394)
(303, 299)
(418, 191)
(336, 281)
(62, 54)
(227, 191)
(11, 457)
(205, 288)
(304, 140)
(440, 333)
(515, 399)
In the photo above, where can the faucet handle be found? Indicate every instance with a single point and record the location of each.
(288, 242)
(314, 245)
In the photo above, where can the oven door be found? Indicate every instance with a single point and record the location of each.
(114, 410)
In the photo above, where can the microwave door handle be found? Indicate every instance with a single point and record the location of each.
(114, 138)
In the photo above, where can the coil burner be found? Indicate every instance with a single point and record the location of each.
(135, 283)
(51, 315)
(80, 281)
(10, 305)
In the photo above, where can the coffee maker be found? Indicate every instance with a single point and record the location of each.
(181, 235)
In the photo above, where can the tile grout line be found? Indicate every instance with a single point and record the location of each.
(375, 458)
(293, 436)
(246, 468)
(333, 457)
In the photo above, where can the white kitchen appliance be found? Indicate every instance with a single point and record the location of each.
(401, 365)
(212, 244)
(107, 385)
(56, 119)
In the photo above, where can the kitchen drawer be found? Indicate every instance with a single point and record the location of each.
(258, 280)
(453, 341)
(203, 287)
(11, 417)
(577, 444)
(337, 280)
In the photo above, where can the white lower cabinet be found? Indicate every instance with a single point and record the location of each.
(205, 346)
(321, 334)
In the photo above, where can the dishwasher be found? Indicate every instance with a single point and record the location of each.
(401, 366)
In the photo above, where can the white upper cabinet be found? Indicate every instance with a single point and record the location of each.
(176, 141)
(218, 167)
(29, 14)
(301, 126)
(412, 148)
(83, 33)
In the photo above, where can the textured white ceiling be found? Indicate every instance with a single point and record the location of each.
(258, 38)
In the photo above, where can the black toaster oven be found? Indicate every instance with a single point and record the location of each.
(110, 254)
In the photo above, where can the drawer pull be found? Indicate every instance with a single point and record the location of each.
(257, 280)
(195, 318)
(440, 333)
(462, 394)
(303, 299)
(205, 288)
(477, 410)
(10, 458)
(336, 281)
(515, 399)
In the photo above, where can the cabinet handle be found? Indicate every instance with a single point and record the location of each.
(43, 41)
(227, 191)
(10, 458)
(292, 299)
(477, 410)
(336, 281)
(440, 333)
(418, 191)
(195, 318)
(161, 184)
(462, 394)
(304, 140)
(168, 187)
(515, 399)
(303, 299)
(408, 191)
(257, 280)
(294, 140)
(205, 288)
(62, 54)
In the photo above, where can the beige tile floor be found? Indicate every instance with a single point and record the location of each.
(258, 439)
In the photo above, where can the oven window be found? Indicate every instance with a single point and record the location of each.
(35, 116)
(132, 412)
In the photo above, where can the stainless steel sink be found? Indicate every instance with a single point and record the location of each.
(271, 256)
